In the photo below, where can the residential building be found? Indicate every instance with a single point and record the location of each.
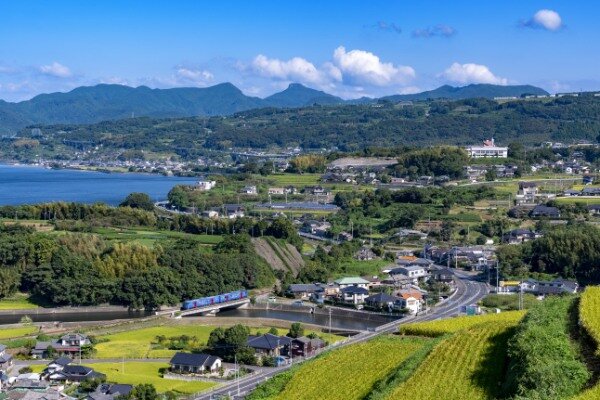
(276, 191)
(69, 345)
(410, 300)
(365, 254)
(382, 301)
(591, 191)
(205, 185)
(75, 373)
(444, 275)
(518, 236)
(57, 365)
(251, 189)
(233, 211)
(305, 346)
(269, 345)
(557, 286)
(354, 295)
(109, 391)
(355, 281)
(305, 291)
(194, 363)
(541, 211)
(412, 272)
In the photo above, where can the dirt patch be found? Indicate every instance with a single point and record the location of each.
(278, 256)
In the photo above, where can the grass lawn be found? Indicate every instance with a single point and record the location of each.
(11, 333)
(137, 343)
(363, 268)
(148, 372)
(18, 301)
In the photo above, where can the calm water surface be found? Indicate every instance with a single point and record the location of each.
(30, 185)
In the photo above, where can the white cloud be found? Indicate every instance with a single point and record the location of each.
(362, 67)
(56, 69)
(296, 69)
(194, 76)
(545, 19)
(471, 73)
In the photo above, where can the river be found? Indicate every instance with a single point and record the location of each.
(30, 185)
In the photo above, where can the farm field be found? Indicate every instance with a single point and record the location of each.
(468, 365)
(11, 333)
(147, 372)
(587, 200)
(347, 374)
(451, 325)
(17, 302)
(588, 312)
(137, 343)
(295, 179)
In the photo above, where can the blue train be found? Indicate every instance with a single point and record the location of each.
(218, 299)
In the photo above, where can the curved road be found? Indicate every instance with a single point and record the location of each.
(468, 292)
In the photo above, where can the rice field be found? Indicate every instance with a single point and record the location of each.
(452, 325)
(17, 302)
(468, 365)
(349, 373)
(12, 333)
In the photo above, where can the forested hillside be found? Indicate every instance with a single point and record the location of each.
(348, 127)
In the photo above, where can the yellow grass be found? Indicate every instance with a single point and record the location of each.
(11, 333)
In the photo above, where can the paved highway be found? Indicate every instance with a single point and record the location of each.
(468, 292)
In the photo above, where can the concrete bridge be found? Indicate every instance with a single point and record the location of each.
(207, 310)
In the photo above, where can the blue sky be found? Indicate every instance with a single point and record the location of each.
(348, 48)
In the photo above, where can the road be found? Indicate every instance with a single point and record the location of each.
(468, 292)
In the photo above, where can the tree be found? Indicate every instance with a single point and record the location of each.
(9, 281)
(150, 289)
(296, 330)
(138, 200)
(491, 174)
(274, 331)
(144, 391)
(446, 230)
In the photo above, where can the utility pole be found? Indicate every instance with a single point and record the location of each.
(329, 320)
(497, 277)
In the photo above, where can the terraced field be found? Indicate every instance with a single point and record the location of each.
(468, 365)
(349, 373)
(589, 316)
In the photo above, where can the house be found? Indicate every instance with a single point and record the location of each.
(75, 373)
(517, 236)
(319, 228)
(409, 261)
(233, 211)
(69, 345)
(527, 193)
(269, 345)
(345, 237)
(410, 300)
(354, 294)
(109, 391)
(204, 185)
(411, 233)
(541, 211)
(304, 291)
(304, 346)
(381, 301)
(249, 190)
(444, 275)
(57, 365)
(557, 286)
(5, 358)
(355, 281)
(591, 191)
(412, 272)
(276, 191)
(588, 180)
(194, 363)
(571, 193)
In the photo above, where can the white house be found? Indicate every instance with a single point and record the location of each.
(249, 190)
(354, 294)
(194, 363)
(205, 185)
(410, 300)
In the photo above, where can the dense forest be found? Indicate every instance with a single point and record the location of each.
(347, 127)
(82, 268)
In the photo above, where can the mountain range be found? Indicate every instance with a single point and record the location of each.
(90, 104)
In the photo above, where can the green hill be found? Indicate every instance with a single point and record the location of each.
(471, 91)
